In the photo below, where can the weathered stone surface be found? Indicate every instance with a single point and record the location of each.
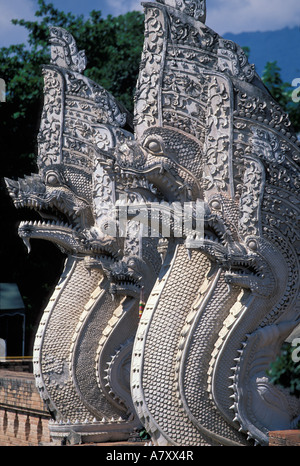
(210, 141)
(83, 344)
(206, 128)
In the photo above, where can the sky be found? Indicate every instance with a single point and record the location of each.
(223, 16)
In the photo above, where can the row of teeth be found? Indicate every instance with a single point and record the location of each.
(122, 277)
(242, 263)
(103, 421)
(104, 257)
(214, 225)
(45, 224)
(127, 286)
(125, 283)
(244, 272)
(34, 204)
(100, 253)
(211, 237)
(255, 267)
(125, 278)
(60, 206)
(136, 181)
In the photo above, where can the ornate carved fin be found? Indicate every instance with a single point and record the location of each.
(64, 52)
(194, 8)
(78, 113)
(181, 59)
(271, 407)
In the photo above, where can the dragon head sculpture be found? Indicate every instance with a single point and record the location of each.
(72, 198)
(205, 132)
(75, 189)
(206, 128)
(190, 140)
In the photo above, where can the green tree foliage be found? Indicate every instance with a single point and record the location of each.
(284, 371)
(246, 50)
(282, 93)
(113, 48)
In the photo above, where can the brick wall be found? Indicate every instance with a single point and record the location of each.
(23, 417)
(284, 438)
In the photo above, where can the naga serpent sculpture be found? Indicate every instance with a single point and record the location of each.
(205, 128)
(84, 341)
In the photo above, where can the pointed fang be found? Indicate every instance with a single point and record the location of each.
(26, 241)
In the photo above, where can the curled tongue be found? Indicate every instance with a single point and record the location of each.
(26, 241)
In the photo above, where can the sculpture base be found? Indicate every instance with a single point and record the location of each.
(96, 432)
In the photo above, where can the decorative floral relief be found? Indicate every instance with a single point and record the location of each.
(234, 60)
(267, 146)
(147, 96)
(184, 102)
(239, 151)
(251, 197)
(218, 136)
(64, 51)
(265, 111)
(183, 33)
(194, 8)
(50, 132)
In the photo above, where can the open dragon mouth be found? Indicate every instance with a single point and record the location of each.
(242, 268)
(217, 243)
(46, 221)
(122, 280)
(211, 232)
(215, 239)
(153, 184)
(125, 283)
(245, 268)
(53, 206)
(50, 215)
(104, 251)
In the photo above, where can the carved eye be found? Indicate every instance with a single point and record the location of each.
(154, 146)
(52, 179)
(215, 204)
